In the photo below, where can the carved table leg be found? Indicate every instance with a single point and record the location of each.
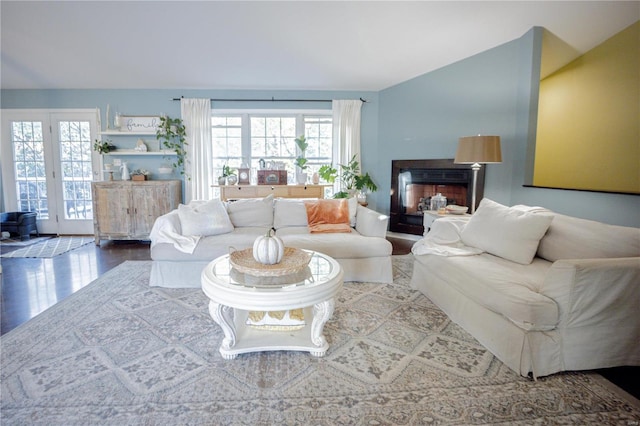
(223, 316)
(321, 313)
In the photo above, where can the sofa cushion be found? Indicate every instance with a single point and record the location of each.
(251, 212)
(502, 286)
(328, 216)
(208, 248)
(338, 246)
(512, 234)
(204, 219)
(574, 238)
(289, 212)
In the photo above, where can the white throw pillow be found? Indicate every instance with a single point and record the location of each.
(505, 232)
(289, 212)
(251, 212)
(204, 219)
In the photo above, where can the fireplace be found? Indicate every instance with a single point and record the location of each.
(414, 182)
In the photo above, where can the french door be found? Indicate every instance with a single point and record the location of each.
(52, 164)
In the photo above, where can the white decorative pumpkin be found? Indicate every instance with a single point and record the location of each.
(268, 249)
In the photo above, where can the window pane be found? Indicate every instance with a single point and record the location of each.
(319, 136)
(76, 168)
(28, 159)
(227, 143)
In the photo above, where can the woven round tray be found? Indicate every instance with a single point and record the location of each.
(294, 260)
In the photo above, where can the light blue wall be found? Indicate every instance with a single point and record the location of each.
(494, 92)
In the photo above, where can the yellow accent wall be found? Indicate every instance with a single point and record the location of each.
(588, 134)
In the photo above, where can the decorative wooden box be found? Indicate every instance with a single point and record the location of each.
(138, 177)
(272, 177)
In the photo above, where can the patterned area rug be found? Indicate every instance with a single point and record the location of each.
(13, 242)
(120, 352)
(50, 247)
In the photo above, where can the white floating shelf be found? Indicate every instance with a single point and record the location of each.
(119, 133)
(134, 152)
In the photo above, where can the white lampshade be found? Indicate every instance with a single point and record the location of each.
(478, 149)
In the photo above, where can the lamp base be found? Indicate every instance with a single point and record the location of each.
(475, 167)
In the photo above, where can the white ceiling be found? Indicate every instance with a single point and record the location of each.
(323, 45)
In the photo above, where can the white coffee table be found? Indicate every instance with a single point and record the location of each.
(233, 295)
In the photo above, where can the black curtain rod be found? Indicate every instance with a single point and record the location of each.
(269, 100)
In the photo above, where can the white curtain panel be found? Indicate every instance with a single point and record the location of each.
(196, 116)
(346, 130)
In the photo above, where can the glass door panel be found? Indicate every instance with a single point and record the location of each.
(75, 172)
(29, 166)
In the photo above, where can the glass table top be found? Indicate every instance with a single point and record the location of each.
(320, 269)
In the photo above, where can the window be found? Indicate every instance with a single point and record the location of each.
(245, 138)
(31, 181)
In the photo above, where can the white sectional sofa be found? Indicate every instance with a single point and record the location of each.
(544, 292)
(178, 258)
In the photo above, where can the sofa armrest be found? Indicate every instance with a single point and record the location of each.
(167, 229)
(371, 223)
(594, 292)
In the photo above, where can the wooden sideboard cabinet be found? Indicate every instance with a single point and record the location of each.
(233, 192)
(127, 210)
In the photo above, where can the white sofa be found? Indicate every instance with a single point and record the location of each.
(178, 259)
(568, 301)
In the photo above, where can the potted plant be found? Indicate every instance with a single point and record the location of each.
(172, 135)
(228, 176)
(352, 182)
(103, 147)
(301, 161)
(139, 174)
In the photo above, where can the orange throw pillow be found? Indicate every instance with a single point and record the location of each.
(328, 216)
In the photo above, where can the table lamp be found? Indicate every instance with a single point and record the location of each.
(477, 150)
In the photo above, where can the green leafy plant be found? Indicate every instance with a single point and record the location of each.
(301, 161)
(350, 178)
(328, 173)
(227, 171)
(141, 172)
(172, 135)
(103, 147)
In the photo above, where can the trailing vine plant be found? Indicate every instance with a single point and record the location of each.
(172, 135)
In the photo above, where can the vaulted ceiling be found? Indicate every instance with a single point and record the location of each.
(310, 45)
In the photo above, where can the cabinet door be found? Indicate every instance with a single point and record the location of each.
(151, 200)
(113, 210)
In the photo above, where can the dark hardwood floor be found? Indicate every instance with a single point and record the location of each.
(30, 285)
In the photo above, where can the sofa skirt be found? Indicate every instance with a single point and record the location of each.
(180, 274)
